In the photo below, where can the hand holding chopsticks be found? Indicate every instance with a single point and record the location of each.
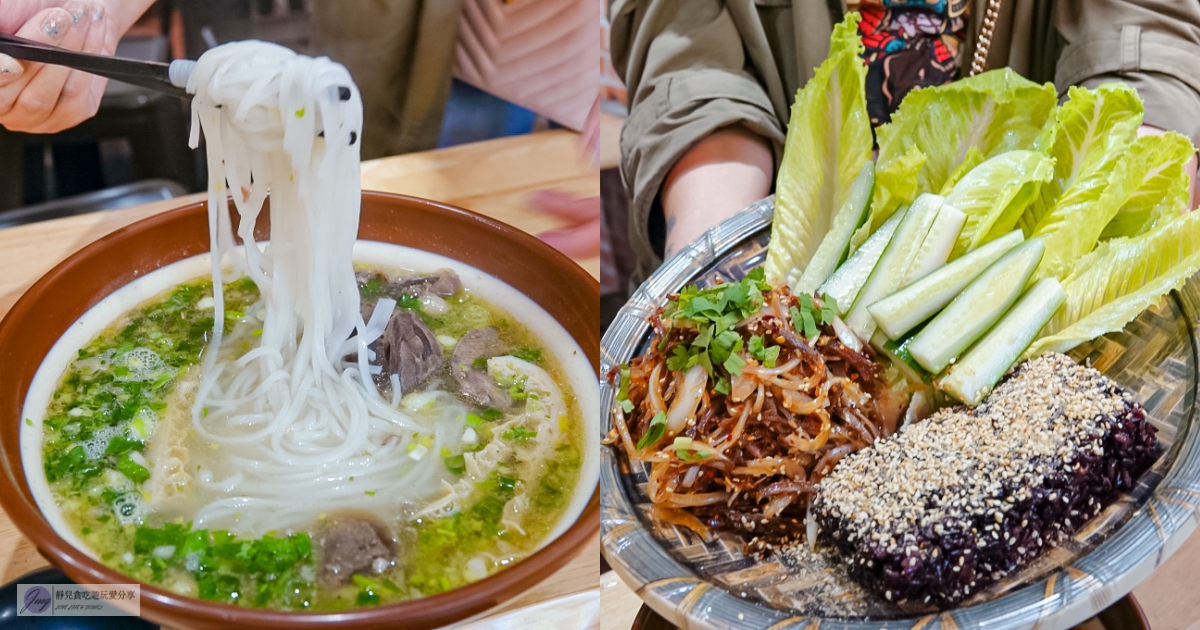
(66, 55)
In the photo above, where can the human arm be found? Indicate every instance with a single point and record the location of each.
(40, 98)
(721, 174)
(688, 75)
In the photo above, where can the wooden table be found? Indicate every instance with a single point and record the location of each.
(492, 178)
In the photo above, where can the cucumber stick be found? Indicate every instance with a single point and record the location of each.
(974, 376)
(893, 265)
(901, 311)
(979, 306)
(832, 249)
(897, 353)
(938, 243)
(845, 283)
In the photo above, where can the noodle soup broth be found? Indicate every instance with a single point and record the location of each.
(481, 478)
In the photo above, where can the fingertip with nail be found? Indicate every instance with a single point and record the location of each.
(56, 23)
(10, 69)
(80, 12)
(97, 12)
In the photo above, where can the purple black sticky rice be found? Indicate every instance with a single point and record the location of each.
(938, 563)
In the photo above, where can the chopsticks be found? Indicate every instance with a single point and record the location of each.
(165, 78)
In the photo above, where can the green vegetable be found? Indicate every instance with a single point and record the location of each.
(832, 250)
(135, 471)
(845, 283)
(893, 265)
(443, 541)
(654, 432)
(1120, 279)
(1163, 191)
(518, 434)
(896, 350)
(1093, 131)
(225, 567)
(895, 188)
(457, 464)
(974, 158)
(977, 308)
(974, 375)
(713, 312)
(936, 246)
(372, 289)
(762, 353)
(995, 194)
(993, 112)
(905, 309)
(532, 355)
(623, 390)
(828, 142)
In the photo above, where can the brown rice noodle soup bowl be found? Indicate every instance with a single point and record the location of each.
(568, 293)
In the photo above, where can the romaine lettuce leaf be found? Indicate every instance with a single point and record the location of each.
(1092, 179)
(993, 112)
(974, 158)
(1121, 278)
(994, 194)
(828, 141)
(1163, 192)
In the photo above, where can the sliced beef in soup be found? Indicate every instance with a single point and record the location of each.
(481, 343)
(442, 283)
(409, 349)
(353, 544)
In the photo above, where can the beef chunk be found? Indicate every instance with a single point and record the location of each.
(480, 343)
(352, 544)
(446, 284)
(442, 283)
(409, 349)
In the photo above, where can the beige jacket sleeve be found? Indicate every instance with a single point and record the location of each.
(685, 68)
(1152, 45)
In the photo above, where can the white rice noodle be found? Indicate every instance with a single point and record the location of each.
(293, 422)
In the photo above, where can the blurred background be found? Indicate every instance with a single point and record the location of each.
(433, 73)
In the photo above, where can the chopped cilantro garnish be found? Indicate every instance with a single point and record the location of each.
(654, 432)
(761, 353)
(714, 312)
(829, 309)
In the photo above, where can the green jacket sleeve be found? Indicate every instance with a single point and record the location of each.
(1153, 45)
(687, 74)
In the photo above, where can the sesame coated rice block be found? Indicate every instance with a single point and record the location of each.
(952, 504)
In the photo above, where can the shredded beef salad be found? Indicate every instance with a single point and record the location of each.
(747, 397)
